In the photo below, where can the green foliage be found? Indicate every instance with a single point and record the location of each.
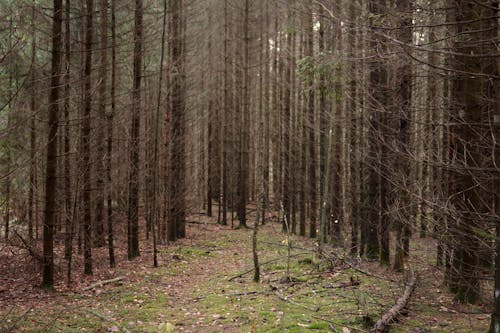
(322, 67)
(377, 20)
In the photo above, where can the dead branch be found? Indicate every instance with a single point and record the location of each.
(352, 266)
(26, 245)
(291, 301)
(16, 322)
(382, 325)
(102, 283)
(264, 263)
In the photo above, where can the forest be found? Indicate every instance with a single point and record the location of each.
(250, 166)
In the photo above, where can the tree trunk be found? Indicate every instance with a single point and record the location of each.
(176, 219)
(313, 204)
(67, 162)
(111, 250)
(99, 235)
(86, 177)
(32, 212)
(133, 196)
(402, 101)
(51, 165)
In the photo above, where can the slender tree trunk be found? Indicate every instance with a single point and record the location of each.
(68, 216)
(8, 153)
(176, 220)
(32, 212)
(313, 205)
(225, 119)
(109, 122)
(51, 165)
(99, 235)
(378, 78)
(286, 120)
(352, 52)
(133, 196)
(243, 172)
(402, 105)
(87, 186)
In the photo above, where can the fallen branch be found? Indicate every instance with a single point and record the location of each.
(352, 266)
(102, 283)
(264, 263)
(249, 293)
(382, 325)
(16, 322)
(289, 300)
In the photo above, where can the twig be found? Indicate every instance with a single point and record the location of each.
(334, 323)
(264, 263)
(249, 293)
(27, 246)
(102, 283)
(17, 321)
(288, 300)
(361, 270)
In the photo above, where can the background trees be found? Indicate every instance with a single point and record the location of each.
(378, 117)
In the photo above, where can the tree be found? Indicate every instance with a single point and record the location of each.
(472, 116)
(109, 123)
(51, 164)
(378, 100)
(176, 217)
(99, 238)
(244, 123)
(32, 202)
(87, 186)
(312, 129)
(133, 196)
(402, 100)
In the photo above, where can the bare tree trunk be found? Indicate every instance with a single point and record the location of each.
(286, 120)
(111, 250)
(243, 166)
(32, 212)
(51, 166)
(378, 80)
(176, 219)
(8, 153)
(402, 86)
(470, 116)
(67, 158)
(99, 235)
(133, 196)
(87, 186)
(313, 205)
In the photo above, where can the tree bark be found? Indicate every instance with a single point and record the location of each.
(133, 196)
(176, 219)
(87, 186)
(51, 165)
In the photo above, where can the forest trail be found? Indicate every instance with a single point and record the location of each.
(191, 291)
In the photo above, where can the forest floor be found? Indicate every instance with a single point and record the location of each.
(191, 290)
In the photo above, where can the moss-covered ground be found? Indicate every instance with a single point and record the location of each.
(196, 289)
